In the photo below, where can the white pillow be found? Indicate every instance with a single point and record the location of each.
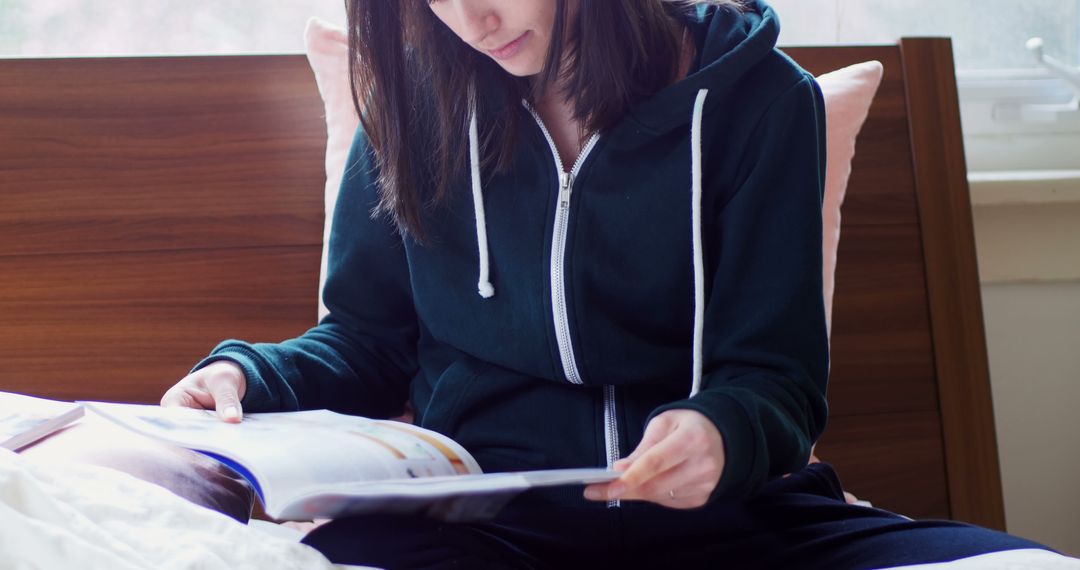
(327, 52)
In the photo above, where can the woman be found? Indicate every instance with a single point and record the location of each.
(621, 268)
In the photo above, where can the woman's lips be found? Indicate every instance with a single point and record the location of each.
(509, 50)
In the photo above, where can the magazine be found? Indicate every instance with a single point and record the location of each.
(321, 464)
(26, 419)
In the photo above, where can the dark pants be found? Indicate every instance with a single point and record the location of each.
(798, 522)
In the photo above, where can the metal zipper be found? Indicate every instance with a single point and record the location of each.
(611, 432)
(558, 248)
(558, 286)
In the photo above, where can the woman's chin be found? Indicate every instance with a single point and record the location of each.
(519, 69)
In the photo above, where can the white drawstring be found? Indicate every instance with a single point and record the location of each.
(486, 289)
(699, 262)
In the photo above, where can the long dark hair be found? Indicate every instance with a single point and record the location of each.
(410, 77)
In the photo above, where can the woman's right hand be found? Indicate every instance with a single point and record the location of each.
(219, 386)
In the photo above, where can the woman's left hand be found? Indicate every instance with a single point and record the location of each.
(677, 464)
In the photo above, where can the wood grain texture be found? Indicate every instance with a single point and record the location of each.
(953, 283)
(124, 154)
(125, 326)
(881, 315)
(896, 461)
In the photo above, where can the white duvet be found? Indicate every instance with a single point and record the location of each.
(76, 516)
(1025, 559)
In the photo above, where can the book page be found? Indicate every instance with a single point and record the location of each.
(289, 451)
(476, 497)
(26, 419)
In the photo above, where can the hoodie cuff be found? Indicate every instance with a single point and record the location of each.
(740, 442)
(257, 394)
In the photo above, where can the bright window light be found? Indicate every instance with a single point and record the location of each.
(987, 34)
(32, 28)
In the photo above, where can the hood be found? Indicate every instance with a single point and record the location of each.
(730, 42)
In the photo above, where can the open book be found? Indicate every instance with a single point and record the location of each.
(321, 464)
(26, 419)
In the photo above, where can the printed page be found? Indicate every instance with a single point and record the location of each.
(476, 497)
(26, 419)
(286, 452)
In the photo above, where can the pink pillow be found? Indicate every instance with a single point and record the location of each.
(848, 95)
(327, 52)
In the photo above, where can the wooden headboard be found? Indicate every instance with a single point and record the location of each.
(150, 207)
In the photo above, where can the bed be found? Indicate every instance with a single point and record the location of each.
(153, 206)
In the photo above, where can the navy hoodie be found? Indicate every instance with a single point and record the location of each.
(552, 314)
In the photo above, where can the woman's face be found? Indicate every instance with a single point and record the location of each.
(515, 33)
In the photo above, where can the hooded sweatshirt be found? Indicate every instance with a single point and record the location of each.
(677, 265)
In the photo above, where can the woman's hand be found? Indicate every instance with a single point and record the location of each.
(219, 386)
(677, 464)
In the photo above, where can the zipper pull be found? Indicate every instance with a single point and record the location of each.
(566, 181)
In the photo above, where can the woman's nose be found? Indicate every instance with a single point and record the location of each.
(478, 19)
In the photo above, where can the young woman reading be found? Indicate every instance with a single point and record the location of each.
(585, 233)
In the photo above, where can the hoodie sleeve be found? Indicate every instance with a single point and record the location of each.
(362, 355)
(766, 352)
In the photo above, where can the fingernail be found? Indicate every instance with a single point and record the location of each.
(616, 490)
(593, 494)
(231, 413)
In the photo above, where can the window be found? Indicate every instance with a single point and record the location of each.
(987, 34)
(32, 28)
(1016, 113)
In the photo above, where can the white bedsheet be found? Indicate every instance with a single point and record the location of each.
(1025, 559)
(60, 516)
(77, 516)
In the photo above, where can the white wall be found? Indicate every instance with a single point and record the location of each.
(1032, 333)
(1029, 260)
